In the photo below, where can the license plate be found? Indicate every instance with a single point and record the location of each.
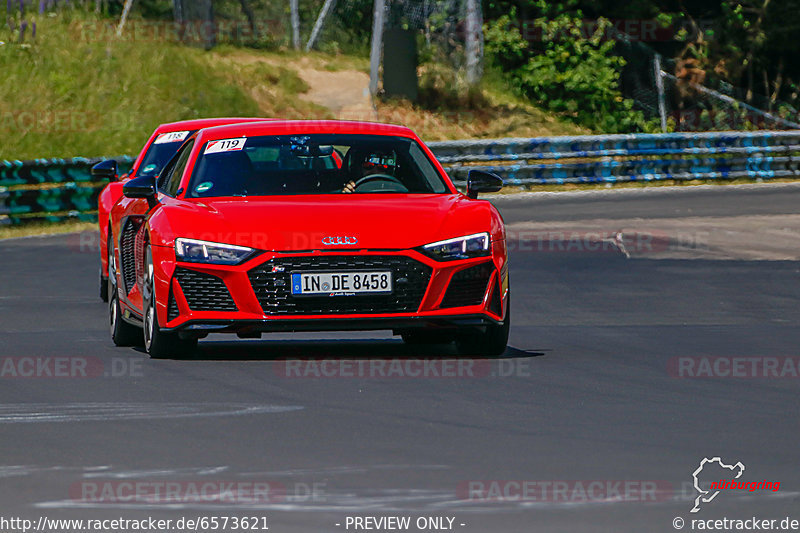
(341, 283)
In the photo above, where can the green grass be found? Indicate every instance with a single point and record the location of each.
(45, 228)
(68, 94)
(77, 90)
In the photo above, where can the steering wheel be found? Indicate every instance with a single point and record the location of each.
(375, 177)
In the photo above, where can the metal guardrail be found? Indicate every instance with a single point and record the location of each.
(53, 189)
(617, 158)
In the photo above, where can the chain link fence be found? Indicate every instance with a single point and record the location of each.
(687, 98)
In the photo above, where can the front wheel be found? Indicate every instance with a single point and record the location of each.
(491, 342)
(159, 344)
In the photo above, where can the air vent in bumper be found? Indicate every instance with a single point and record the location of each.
(468, 286)
(204, 292)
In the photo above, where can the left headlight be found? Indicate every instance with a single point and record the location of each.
(194, 251)
(476, 245)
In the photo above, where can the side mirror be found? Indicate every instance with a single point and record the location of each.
(105, 170)
(481, 181)
(144, 187)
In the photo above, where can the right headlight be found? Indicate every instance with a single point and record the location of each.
(475, 245)
(194, 251)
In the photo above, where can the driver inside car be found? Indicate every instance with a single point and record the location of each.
(372, 163)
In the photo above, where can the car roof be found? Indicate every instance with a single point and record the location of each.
(200, 123)
(285, 127)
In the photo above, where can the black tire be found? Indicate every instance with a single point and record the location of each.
(122, 333)
(159, 344)
(423, 337)
(103, 287)
(104, 279)
(492, 342)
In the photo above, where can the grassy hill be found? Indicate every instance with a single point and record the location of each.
(76, 90)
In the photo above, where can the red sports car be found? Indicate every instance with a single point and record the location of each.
(157, 151)
(307, 226)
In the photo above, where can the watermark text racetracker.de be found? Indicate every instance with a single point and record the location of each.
(644, 30)
(752, 523)
(69, 367)
(206, 491)
(564, 491)
(46, 121)
(63, 120)
(601, 241)
(123, 525)
(401, 368)
(737, 367)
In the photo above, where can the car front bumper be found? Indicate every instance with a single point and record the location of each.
(252, 298)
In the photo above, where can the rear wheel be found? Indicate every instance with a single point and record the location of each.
(122, 333)
(103, 287)
(159, 344)
(104, 279)
(490, 342)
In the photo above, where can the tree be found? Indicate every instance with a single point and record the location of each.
(196, 21)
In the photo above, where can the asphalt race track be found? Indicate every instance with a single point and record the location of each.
(589, 391)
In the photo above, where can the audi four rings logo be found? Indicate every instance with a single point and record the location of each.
(339, 240)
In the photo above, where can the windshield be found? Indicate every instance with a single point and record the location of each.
(313, 164)
(163, 148)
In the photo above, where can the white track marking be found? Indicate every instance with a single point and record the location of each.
(82, 412)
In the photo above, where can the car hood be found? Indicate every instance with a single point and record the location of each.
(293, 223)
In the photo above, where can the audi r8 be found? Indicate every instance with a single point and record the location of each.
(157, 151)
(307, 226)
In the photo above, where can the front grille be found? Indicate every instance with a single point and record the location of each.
(126, 249)
(468, 286)
(273, 289)
(204, 292)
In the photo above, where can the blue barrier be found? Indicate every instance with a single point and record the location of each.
(44, 171)
(46, 186)
(50, 189)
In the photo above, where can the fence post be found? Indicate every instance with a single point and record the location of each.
(662, 108)
(125, 11)
(473, 44)
(323, 15)
(295, 24)
(377, 44)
